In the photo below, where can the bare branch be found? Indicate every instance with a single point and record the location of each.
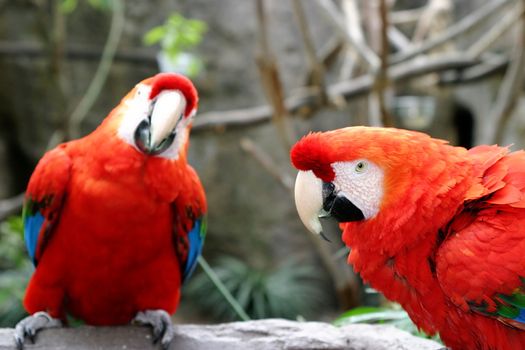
(77, 52)
(329, 52)
(350, 89)
(511, 85)
(435, 18)
(381, 80)
(461, 27)
(316, 68)
(406, 16)
(271, 79)
(267, 163)
(352, 19)
(475, 73)
(496, 31)
(364, 51)
(11, 206)
(398, 39)
(106, 61)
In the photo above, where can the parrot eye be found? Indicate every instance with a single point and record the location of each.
(142, 91)
(361, 167)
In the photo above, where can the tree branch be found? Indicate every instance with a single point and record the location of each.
(381, 81)
(511, 85)
(474, 73)
(77, 52)
(352, 18)
(496, 31)
(271, 80)
(316, 68)
(96, 85)
(364, 51)
(11, 206)
(406, 16)
(352, 88)
(267, 163)
(398, 39)
(464, 25)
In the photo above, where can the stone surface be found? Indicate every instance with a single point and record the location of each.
(271, 334)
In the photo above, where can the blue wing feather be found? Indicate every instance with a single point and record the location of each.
(521, 317)
(32, 227)
(195, 242)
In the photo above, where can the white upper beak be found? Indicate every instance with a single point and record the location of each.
(168, 108)
(309, 200)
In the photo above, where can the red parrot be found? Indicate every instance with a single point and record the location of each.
(115, 221)
(437, 228)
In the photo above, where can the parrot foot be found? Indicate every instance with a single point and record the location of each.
(161, 323)
(30, 325)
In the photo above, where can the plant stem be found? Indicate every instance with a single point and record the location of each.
(223, 290)
(96, 85)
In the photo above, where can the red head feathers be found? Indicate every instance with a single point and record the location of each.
(172, 81)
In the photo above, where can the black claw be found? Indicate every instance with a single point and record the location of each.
(19, 344)
(158, 332)
(30, 333)
(156, 338)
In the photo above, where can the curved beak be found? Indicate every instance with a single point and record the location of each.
(156, 133)
(167, 110)
(315, 198)
(309, 200)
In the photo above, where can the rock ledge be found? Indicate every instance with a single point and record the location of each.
(271, 334)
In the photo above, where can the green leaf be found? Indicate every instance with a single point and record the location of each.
(286, 292)
(178, 35)
(68, 6)
(154, 35)
(102, 5)
(362, 310)
(371, 314)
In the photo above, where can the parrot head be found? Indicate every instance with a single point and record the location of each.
(366, 175)
(155, 117)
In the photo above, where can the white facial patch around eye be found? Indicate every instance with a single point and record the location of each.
(137, 109)
(361, 182)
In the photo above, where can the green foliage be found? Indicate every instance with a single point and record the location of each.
(102, 5)
(68, 6)
(289, 291)
(15, 270)
(393, 315)
(176, 36)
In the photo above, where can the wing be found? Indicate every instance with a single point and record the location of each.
(190, 224)
(481, 264)
(44, 198)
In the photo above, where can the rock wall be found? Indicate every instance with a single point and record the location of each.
(273, 334)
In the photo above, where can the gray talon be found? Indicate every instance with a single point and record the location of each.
(29, 326)
(161, 323)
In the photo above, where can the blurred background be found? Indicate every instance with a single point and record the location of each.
(268, 72)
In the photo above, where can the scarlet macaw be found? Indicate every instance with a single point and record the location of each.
(115, 221)
(437, 228)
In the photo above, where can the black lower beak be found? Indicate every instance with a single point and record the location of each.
(143, 139)
(338, 206)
